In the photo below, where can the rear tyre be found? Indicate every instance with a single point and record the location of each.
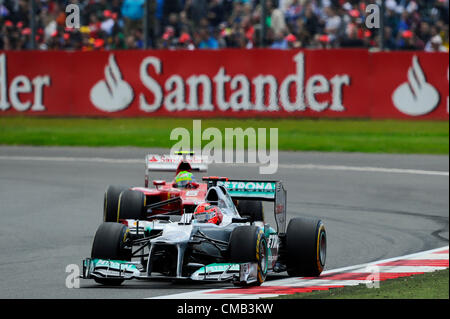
(111, 201)
(109, 243)
(249, 244)
(251, 208)
(306, 243)
(131, 205)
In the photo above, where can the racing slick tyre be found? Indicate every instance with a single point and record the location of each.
(111, 202)
(109, 243)
(131, 205)
(251, 208)
(249, 244)
(306, 244)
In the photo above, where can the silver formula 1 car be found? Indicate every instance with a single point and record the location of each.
(241, 249)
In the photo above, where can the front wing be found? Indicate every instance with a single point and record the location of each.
(243, 273)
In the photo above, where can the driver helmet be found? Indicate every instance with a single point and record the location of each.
(184, 178)
(206, 213)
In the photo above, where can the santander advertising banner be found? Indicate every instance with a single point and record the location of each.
(225, 83)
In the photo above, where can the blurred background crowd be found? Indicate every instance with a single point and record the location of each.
(214, 24)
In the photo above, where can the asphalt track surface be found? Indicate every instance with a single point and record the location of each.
(51, 205)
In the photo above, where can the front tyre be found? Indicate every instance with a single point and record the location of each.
(249, 244)
(109, 243)
(131, 205)
(111, 202)
(306, 243)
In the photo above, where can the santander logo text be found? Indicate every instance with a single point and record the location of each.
(21, 93)
(112, 94)
(220, 91)
(416, 97)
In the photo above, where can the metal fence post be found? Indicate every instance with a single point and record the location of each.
(382, 35)
(33, 24)
(145, 24)
(263, 23)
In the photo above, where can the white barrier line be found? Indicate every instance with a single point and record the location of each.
(431, 257)
(288, 166)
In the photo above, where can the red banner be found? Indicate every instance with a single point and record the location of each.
(226, 83)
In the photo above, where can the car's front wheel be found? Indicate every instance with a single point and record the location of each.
(109, 243)
(111, 203)
(249, 244)
(131, 205)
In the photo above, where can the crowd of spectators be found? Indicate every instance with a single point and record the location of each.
(214, 24)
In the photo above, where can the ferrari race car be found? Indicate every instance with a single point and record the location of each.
(217, 233)
(178, 196)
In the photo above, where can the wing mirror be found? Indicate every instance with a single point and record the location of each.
(159, 183)
(195, 185)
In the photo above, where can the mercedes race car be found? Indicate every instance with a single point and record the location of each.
(217, 235)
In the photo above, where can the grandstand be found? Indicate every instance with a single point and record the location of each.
(216, 24)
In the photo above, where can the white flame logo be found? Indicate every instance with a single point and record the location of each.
(112, 94)
(416, 97)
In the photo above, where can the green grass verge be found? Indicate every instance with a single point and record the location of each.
(387, 136)
(433, 285)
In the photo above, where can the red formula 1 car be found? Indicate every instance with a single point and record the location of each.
(179, 196)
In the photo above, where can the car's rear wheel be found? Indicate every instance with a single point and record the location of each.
(131, 205)
(306, 243)
(109, 243)
(251, 208)
(249, 244)
(111, 202)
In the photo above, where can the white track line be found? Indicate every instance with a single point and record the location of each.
(73, 159)
(287, 166)
(364, 169)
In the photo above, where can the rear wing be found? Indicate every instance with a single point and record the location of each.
(271, 191)
(170, 163)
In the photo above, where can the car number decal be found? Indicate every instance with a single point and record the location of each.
(273, 241)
